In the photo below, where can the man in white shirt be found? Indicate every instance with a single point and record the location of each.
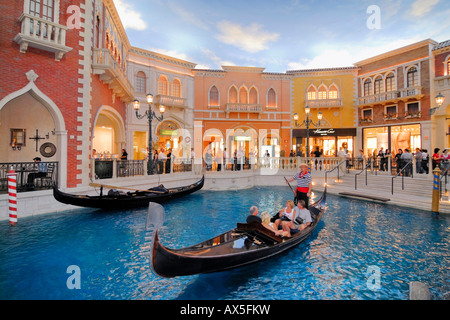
(302, 219)
(407, 158)
(161, 158)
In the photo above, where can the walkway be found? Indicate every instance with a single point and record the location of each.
(417, 191)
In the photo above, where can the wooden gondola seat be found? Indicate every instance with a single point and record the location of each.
(257, 229)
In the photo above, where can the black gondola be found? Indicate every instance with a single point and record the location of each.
(121, 200)
(246, 244)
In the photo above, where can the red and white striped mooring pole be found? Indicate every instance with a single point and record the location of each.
(12, 192)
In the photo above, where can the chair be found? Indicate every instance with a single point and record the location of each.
(47, 180)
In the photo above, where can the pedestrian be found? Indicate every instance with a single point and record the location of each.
(407, 159)
(124, 155)
(425, 161)
(168, 161)
(436, 158)
(445, 159)
(398, 160)
(418, 157)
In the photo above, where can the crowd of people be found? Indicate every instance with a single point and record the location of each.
(162, 160)
(403, 159)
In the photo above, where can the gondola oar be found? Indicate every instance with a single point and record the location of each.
(289, 185)
(124, 188)
(295, 195)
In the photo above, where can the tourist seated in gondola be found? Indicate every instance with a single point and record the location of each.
(303, 219)
(265, 217)
(253, 216)
(285, 214)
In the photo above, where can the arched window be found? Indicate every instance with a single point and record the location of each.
(333, 93)
(271, 98)
(232, 95)
(378, 88)
(412, 77)
(390, 82)
(322, 93)
(253, 96)
(141, 82)
(163, 86)
(243, 96)
(312, 93)
(214, 96)
(447, 64)
(176, 88)
(368, 87)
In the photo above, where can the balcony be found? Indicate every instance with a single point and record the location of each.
(325, 103)
(244, 108)
(442, 83)
(112, 74)
(169, 101)
(42, 34)
(384, 98)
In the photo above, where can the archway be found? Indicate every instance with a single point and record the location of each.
(15, 111)
(108, 133)
(165, 132)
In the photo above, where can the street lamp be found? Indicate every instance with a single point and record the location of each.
(308, 122)
(439, 101)
(150, 114)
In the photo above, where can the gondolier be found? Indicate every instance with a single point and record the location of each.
(304, 184)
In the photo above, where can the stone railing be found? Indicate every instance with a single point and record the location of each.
(325, 103)
(170, 101)
(380, 98)
(243, 108)
(42, 34)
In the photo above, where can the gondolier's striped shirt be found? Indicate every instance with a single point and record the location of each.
(303, 180)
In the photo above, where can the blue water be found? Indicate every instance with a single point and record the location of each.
(353, 238)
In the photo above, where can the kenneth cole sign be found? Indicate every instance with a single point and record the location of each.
(301, 133)
(323, 132)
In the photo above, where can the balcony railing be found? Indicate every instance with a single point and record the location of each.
(442, 83)
(170, 101)
(391, 96)
(243, 108)
(325, 103)
(30, 176)
(113, 74)
(42, 34)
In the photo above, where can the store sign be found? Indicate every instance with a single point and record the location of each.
(165, 132)
(242, 138)
(321, 132)
(324, 132)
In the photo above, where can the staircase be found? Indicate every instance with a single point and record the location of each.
(417, 191)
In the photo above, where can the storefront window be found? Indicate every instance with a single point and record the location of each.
(401, 137)
(329, 147)
(374, 139)
(406, 137)
(346, 143)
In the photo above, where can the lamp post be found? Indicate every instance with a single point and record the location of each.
(307, 123)
(150, 114)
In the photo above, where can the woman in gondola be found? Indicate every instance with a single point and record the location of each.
(286, 214)
(265, 217)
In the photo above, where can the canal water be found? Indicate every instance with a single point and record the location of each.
(359, 250)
